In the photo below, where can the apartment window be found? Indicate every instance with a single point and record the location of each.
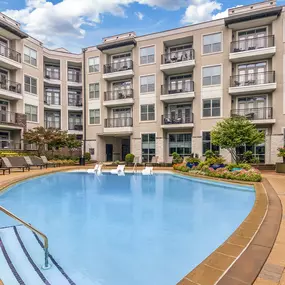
(30, 84)
(94, 91)
(211, 75)
(52, 96)
(30, 56)
(31, 113)
(207, 144)
(147, 55)
(148, 147)
(147, 83)
(212, 43)
(180, 143)
(93, 63)
(212, 108)
(94, 116)
(147, 112)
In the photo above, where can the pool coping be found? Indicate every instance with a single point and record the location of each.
(241, 257)
(239, 260)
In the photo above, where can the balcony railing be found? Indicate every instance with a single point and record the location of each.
(254, 113)
(74, 76)
(52, 74)
(118, 66)
(9, 144)
(177, 87)
(10, 53)
(52, 124)
(178, 56)
(75, 126)
(11, 86)
(118, 122)
(118, 94)
(11, 118)
(252, 44)
(252, 79)
(75, 102)
(172, 119)
(51, 100)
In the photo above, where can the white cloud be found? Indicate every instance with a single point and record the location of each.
(200, 11)
(50, 22)
(139, 15)
(224, 13)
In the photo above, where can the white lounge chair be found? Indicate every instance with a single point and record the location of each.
(97, 169)
(119, 171)
(148, 170)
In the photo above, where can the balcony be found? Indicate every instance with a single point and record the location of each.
(52, 102)
(52, 124)
(11, 90)
(52, 76)
(75, 102)
(75, 126)
(182, 61)
(10, 58)
(119, 97)
(252, 49)
(177, 121)
(74, 78)
(121, 126)
(118, 70)
(11, 120)
(252, 83)
(10, 144)
(257, 115)
(177, 91)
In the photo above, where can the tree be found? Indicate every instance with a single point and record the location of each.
(57, 139)
(72, 143)
(234, 132)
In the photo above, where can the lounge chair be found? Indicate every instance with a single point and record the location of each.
(10, 165)
(48, 163)
(96, 170)
(31, 163)
(148, 170)
(119, 171)
(154, 160)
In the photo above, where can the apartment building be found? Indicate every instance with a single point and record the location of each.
(155, 94)
(38, 86)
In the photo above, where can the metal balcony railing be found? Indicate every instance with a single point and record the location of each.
(125, 93)
(177, 87)
(75, 126)
(252, 79)
(170, 119)
(11, 118)
(51, 100)
(52, 124)
(252, 44)
(118, 66)
(178, 56)
(11, 86)
(52, 74)
(118, 122)
(9, 144)
(254, 113)
(76, 102)
(74, 76)
(10, 53)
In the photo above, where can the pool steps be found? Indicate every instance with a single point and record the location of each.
(21, 260)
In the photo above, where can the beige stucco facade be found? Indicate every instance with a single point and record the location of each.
(154, 94)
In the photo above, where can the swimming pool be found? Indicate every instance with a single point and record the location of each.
(125, 230)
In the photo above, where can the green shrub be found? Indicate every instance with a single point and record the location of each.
(240, 165)
(129, 158)
(209, 154)
(87, 156)
(215, 160)
(193, 160)
(176, 158)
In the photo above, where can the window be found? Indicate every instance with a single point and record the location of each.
(211, 75)
(94, 91)
(31, 113)
(52, 96)
(147, 112)
(207, 145)
(212, 43)
(148, 147)
(30, 56)
(94, 116)
(147, 55)
(93, 63)
(147, 83)
(30, 84)
(180, 143)
(212, 108)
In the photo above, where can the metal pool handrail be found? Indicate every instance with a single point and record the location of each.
(33, 229)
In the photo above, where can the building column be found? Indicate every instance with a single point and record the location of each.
(277, 141)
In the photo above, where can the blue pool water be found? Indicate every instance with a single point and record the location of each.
(114, 230)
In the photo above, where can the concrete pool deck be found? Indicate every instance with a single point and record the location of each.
(248, 253)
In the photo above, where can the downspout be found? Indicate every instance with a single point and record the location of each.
(84, 103)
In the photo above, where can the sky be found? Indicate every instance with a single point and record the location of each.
(74, 24)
